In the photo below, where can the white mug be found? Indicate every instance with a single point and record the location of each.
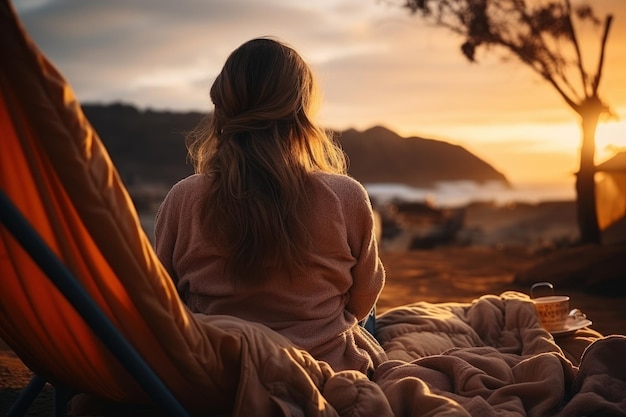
(553, 310)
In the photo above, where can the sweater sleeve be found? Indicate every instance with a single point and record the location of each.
(165, 231)
(368, 274)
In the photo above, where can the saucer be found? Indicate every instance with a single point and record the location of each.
(572, 324)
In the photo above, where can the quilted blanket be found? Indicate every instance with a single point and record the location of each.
(492, 358)
(486, 358)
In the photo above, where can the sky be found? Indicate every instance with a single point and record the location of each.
(377, 65)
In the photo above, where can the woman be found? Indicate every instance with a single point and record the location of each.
(270, 228)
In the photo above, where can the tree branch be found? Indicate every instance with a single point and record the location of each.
(583, 74)
(548, 60)
(558, 88)
(596, 80)
(542, 67)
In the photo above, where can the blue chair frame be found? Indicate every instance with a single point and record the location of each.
(95, 318)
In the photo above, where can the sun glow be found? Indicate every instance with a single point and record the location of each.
(610, 139)
(535, 152)
(559, 137)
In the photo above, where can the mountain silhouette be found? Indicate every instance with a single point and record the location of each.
(379, 155)
(148, 147)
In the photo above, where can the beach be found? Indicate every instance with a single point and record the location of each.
(498, 243)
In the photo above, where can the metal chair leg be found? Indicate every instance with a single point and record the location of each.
(27, 396)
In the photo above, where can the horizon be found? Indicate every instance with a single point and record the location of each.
(370, 75)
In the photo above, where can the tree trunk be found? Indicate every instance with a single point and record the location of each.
(585, 179)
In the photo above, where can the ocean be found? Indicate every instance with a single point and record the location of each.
(461, 193)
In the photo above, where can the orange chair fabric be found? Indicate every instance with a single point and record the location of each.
(57, 172)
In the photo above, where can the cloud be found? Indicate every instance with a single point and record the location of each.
(141, 51)
(117, 47)
(377, 63)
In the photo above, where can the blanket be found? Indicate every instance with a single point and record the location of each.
(493, 358)
(490, 357)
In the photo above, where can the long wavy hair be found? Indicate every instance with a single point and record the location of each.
(258, 148)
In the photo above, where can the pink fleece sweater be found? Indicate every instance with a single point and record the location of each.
(318, 310)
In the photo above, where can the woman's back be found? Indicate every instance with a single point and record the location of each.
(318, 309)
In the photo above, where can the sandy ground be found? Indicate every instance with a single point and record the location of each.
(503, 244)
(464, 274)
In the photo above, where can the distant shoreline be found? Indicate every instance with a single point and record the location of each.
(463, 193)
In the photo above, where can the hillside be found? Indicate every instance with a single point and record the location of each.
(380, 155)
(146, 146)
(149, 147)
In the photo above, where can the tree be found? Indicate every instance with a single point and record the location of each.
(542, 35)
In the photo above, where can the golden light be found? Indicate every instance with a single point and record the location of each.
(610, 139)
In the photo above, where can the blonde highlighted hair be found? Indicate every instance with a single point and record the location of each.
(258, 148)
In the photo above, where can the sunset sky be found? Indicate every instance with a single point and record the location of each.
(377, 64)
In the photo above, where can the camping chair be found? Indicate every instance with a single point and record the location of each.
(85, 303)
(44, 138)
(67, 284)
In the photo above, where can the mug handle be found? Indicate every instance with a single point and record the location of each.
(541, 284)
